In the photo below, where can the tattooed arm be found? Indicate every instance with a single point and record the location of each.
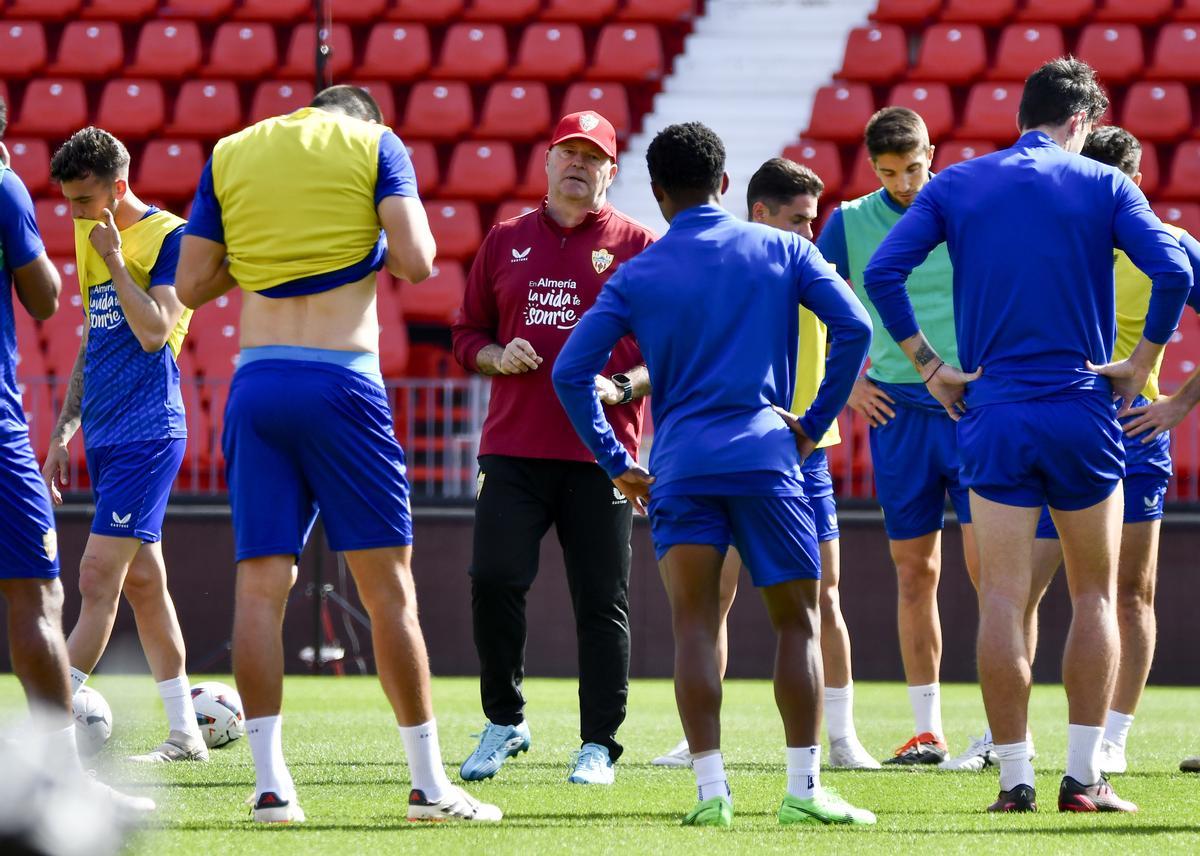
(945, 382)
(57, 458)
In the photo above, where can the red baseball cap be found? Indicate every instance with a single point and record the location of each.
(589, 126)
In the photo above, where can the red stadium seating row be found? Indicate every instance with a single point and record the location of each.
(173, 49)
(1064, 12)
(957, 53)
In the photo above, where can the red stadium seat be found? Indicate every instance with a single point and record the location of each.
(57, 228)
(423, 155)
(22, 48)
(434, 11)
(1157, 112)
(132, 109)
(71, 303)
(955, 53)
(438, 298)
(823, 158)
(396, 52)
(1185, 215)
(214, 343)
(863, 179)
(906, 11)
(1177, 53)
(119, 10)
(1114, 50)
(502, 11)
(608, 99)
(952, 152)
(482, 169)
(991, 112)
(1024, 48)
(276, 11)
(875, 54)
(49, 10)
(455, 226)
(200, 10)
(627, 52)
(242, 51)
(1184, 181)
(988, 13)
(518, 110)
(61, 333)
(381, 91)
(435, 361)
(301, 60)
(579, 11)
(550, 52)
(1189, 10)
(52, 108)
(657, 11)
(1134, 11)
(278, 97)
(931, 100)
(840, 112)
(206, 109)
(359, 11)
(1064, 12)
(438, 111)
(31, 161)
(170, 168)
(515, 208)
(167, 49)
(89, 49)
(533, 180)
(473, 52)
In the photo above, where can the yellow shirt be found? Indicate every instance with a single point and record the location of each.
(1133, 300)
(810, 371)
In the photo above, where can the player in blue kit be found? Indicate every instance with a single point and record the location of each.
(125, 393)
(1031, 232)
(725, 462)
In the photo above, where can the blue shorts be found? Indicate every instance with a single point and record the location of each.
(818, 485)
(131, 484)
(1064, 452)
(303, 436)
(916, 463)
(775, 535)
(28, 540)
(1143, 502)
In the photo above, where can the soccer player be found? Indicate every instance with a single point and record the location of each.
(29, 571)
(715, 308)
(300, 211)
(1031, 230)
(1147, 471)
(124, 392)
(784, 194)
(532, 279)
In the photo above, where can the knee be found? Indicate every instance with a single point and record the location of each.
(32, 603)
(831, 606)
(143, 585)
(917, 579)
(264, 580)
(1135, 600)
(389, 594)
(99, 580)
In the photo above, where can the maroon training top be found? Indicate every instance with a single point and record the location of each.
(534, 279)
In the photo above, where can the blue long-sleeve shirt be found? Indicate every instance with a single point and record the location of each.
(1031, 231)
(714, 307)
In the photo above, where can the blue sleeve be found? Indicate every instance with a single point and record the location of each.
(584, 355)
(1156, 252)
(163, 272)
(396, 176)
(827, 296)
(205, 219)
(908, 244)
(832, 243)
(1192, 248)
(19, 237)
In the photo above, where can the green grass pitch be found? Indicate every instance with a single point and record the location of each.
(346, 758)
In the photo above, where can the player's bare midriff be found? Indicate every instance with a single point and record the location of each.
(342, 319)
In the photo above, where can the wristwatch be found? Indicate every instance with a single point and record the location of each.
(625, 384)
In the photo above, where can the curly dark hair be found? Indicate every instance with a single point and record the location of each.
(354, 101)
(1115, 147)
(91, 151)
(686, 159)
(1058, 90)
(895, 131)
(778, 181)
(3, 117)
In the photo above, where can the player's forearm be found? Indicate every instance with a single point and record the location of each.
(150, 322)
(69, 416)
(639, 378)
(921, 354)
(487, 360)
(1188, 395)
(195, 287)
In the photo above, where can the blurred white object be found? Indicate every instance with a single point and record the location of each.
(93, 721)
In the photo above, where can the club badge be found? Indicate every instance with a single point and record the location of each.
(602, 259)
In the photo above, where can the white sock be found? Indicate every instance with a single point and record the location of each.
(425, 759)
(987, 734)
(926, 704)
(265, 734)
(1116, 727)
(61, 749)
(839, 712)
(78, 679)
(1015, 767)
(803, 771)
(709, 768)
(1083, 753)
(177, 702)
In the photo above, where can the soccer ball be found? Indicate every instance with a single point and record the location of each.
(218, 713)
(93, 721)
